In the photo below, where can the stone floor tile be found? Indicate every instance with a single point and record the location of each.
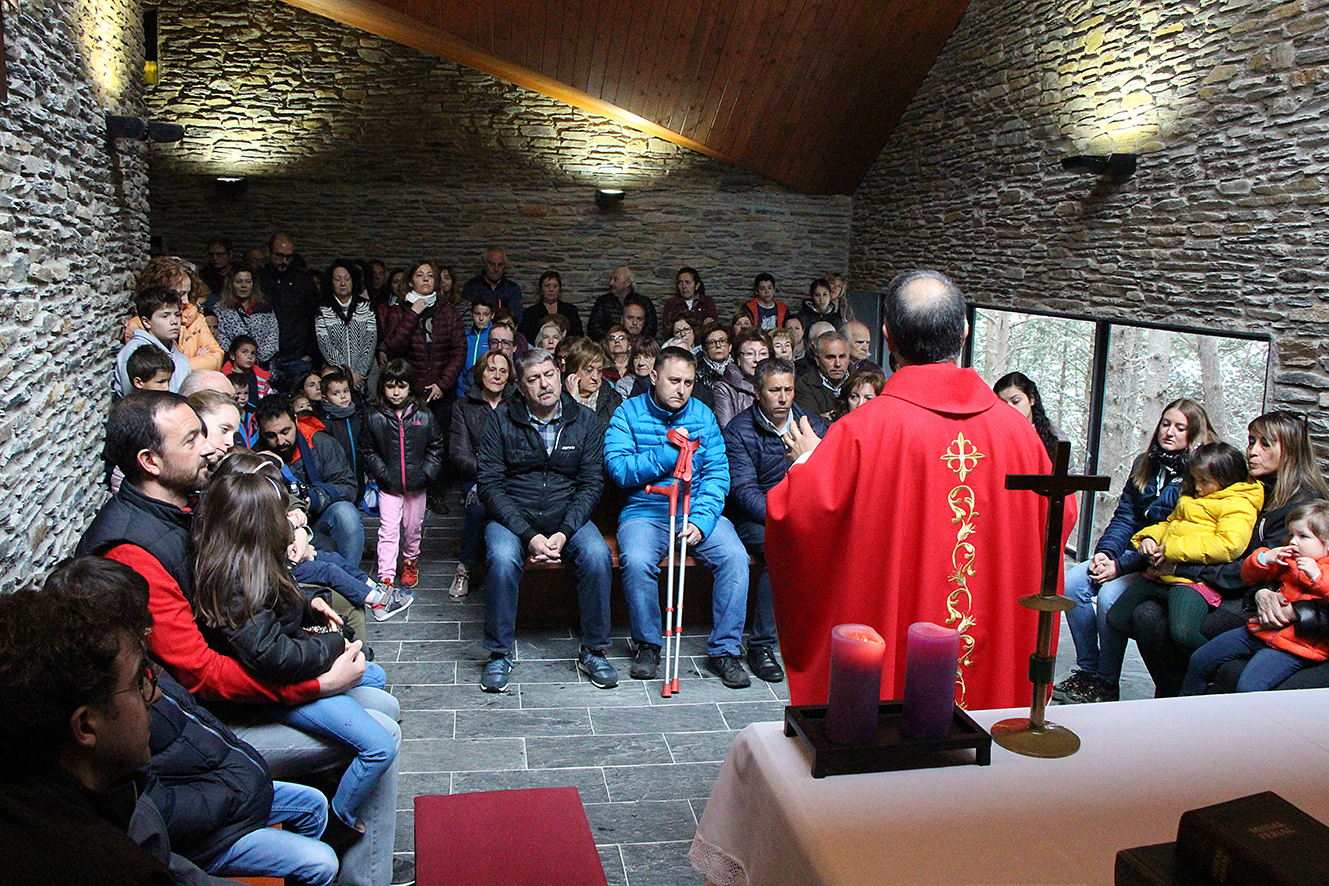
(611, 859)
(739, 714)
(421, 784)
(414, 630)
(596, 750)
(660, 864)
(523, 723)
(628, 693)
(429, 724)
(670, 718)
(454, 755)
(405, 832)
(698, 747)
(421, 673)
(452, 697)
(670, 781)
(589, 781)
(651, 821)
(443, 650)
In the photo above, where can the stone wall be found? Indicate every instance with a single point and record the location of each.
(1223, 225)
(73, 229)
(363, 147)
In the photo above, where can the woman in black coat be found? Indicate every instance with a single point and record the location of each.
(491, 378)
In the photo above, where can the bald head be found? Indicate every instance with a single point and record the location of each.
(925, 318)
(206, 380)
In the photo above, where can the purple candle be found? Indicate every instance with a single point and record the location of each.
(855, 691)
(929, 680)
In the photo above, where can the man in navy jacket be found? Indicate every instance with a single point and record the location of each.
(758, 459)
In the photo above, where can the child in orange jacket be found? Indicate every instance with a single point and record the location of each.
(1274, 653)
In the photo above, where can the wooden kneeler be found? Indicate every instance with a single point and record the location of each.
(505, 838)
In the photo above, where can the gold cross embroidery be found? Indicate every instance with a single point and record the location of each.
(962, 456)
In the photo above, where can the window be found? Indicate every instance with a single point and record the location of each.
(1104, 385)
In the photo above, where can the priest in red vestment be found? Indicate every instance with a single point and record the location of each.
(901, 515)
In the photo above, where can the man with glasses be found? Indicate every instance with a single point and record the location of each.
(77, 695)
(294, 298)
(503, 338)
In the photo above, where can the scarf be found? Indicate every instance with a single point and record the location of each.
(717, 368)
(338, 411)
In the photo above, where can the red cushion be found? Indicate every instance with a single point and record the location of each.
(505, 838)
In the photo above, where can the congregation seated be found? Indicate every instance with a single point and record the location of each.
(638, 316)
(608, 307)
(713, 359)
(618, 349)
(158, 442)
(553, 330)
(195, 340)
(764, 309)
(493, 280)
(860, 346)
(539, 471)
(817, 389)
(483, 309)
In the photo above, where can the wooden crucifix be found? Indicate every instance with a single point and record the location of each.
(1035, 737)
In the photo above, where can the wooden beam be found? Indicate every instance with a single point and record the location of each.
(368, 15)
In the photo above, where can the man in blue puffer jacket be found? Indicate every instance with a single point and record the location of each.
(638, 454)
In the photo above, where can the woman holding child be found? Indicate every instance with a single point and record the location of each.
(196, 340)
(1151, 492)
(1280, 457)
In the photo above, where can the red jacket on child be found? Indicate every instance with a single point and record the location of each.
(1295, 586)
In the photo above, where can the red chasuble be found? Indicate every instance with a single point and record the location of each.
(902, 515)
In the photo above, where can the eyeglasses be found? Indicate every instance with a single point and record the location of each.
(146, 686)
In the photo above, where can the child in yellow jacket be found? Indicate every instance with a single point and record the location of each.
(1274, 653)
(1212, 523)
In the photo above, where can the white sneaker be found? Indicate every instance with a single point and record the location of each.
(461, 583)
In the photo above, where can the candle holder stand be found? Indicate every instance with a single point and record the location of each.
(892, 750)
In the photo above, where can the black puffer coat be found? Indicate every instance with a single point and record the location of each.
(401, 453)
(210, 787)
(470, 417)
(533, 493)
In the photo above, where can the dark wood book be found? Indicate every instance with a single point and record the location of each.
(1260, 840)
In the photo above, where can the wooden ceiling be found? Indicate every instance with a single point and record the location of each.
(803, 91)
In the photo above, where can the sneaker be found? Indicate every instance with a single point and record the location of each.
(646, 663)
(394, 603)
(597, 667)
(1074, 686)
(762, 663)
(461, 583)
(1091, 691)
(494, 678)
(730, 671)
(410, 574)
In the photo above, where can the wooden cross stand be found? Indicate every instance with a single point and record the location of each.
(1034, 736)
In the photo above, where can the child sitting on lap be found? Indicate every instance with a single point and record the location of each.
(1271, 648)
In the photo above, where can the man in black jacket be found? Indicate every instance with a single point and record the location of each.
(295, 299)
(540, 472)
(318, 464)
(758, 459)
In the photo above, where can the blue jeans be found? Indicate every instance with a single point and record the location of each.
(294, 851)
(341, 522)
(762, 630)
(342, 719)
(291, 753)
(1099, 650)
(643, 542)
(588, 553)
(332, 569)
(1266, 666)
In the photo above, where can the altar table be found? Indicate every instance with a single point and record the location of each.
(1021, 820)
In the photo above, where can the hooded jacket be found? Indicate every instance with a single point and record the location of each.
(196, 340)
(401, 453)
(1214, 528)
